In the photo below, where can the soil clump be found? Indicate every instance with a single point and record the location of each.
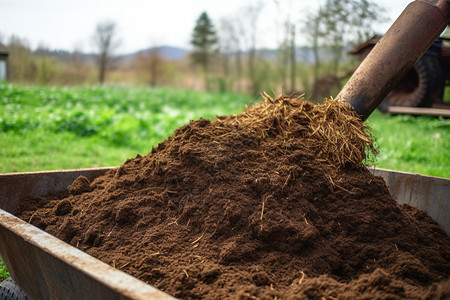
(273, 203)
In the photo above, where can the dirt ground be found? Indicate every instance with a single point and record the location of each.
(274, 203)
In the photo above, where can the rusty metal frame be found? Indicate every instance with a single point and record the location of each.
(47, 268)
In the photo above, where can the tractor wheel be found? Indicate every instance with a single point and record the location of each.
(9, 290)
(420, 87)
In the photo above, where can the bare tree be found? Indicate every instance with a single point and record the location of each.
(152, 65)
(78, 68)
(230, 48)
(226, 43)
(155, 59)
(313, 32)
(293, 58)
(238, 41)
(249, 20)
(44, 64)
(2, 40)
(287, 46)
(105, 40)
(346, 22)
(333, 27)
(20, 60)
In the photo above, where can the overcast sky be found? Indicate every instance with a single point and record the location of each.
(69, 24)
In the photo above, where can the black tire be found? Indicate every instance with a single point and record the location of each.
(9, 290)
(420, 87)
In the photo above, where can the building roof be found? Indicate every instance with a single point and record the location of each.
(369, 43)
(4, 53)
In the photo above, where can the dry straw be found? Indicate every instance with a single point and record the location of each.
(331, 130)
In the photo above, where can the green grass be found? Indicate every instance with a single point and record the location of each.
(34, 151)
(412, 144)
(3, 271)
(44, 128)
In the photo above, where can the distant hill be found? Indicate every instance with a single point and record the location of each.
(303, 54)
(64, 55)
(167, 52)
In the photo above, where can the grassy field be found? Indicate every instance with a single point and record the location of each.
(412, 144)
(58, 128)
(49, 128)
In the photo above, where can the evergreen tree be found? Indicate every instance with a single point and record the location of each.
(204, 38)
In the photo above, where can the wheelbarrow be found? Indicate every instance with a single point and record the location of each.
(47, 268)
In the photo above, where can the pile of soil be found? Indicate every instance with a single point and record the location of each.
(274, 203)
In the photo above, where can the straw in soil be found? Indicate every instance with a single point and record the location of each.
(332, 130)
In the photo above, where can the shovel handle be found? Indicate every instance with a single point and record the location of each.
(397, 51)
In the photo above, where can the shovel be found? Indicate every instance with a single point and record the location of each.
(397, 51)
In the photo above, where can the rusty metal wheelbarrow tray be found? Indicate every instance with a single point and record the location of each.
(47, 268)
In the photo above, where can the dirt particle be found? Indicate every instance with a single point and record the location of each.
(64, 207)
(79, 186)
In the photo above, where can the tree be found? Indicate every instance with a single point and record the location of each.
(106, 42)
(314, 34)
(231, 38)
(204, 38)
(45, 64)
(346, 22)
(250, 17)
(21, 64)
(2, 37)
(230, 52)
(151, 65)
(287, 46)
(155, 61)
(338, 24)
(227, 42)
(293, 56)
(77, 67)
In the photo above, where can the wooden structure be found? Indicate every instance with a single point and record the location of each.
(4, 65)
(419, 111)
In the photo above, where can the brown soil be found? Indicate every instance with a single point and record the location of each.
(273, 203)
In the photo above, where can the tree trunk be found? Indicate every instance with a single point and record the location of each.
(293, 58)
(102, 68)
(239, 70)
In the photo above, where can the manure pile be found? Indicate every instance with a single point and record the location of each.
(274, 203)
